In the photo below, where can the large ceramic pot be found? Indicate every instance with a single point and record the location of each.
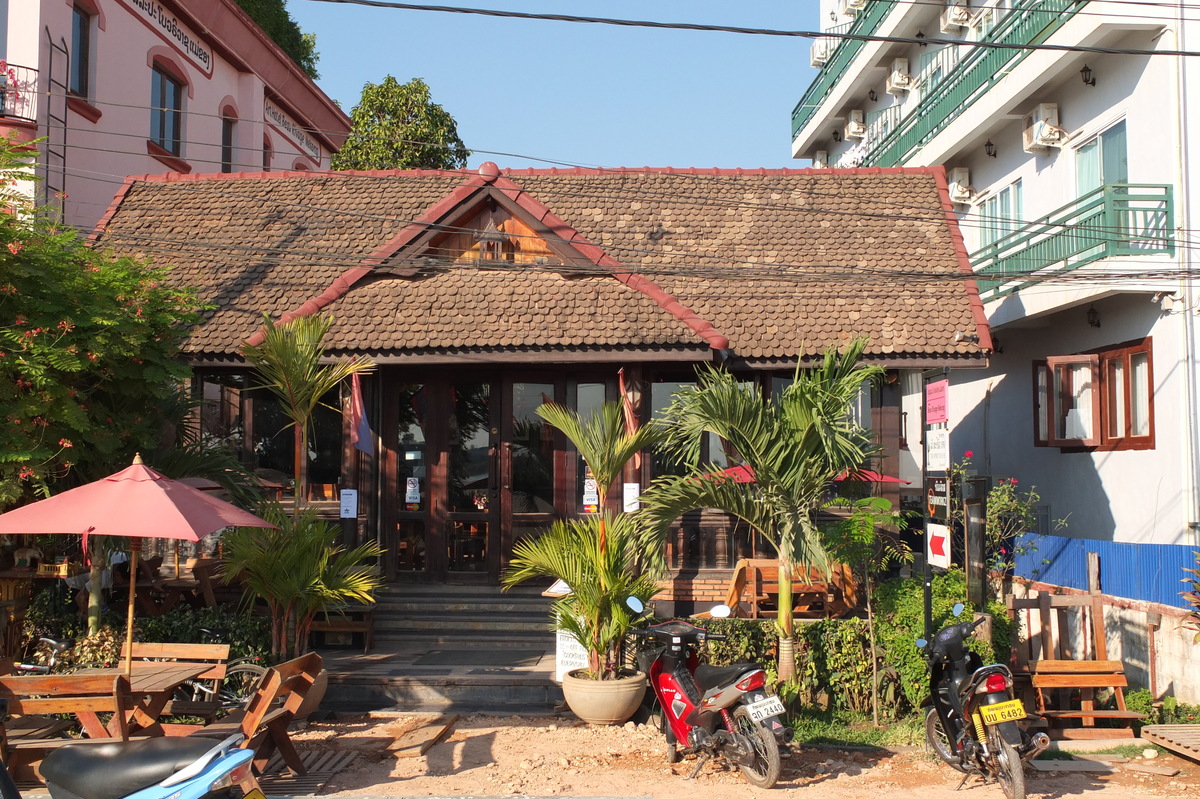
(603, 701)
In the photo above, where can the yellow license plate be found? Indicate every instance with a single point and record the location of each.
(1005, 711)
(254, 794)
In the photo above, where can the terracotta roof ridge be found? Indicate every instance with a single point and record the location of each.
(982, 329)
(346, 280)
(598, 256)
(716, 171)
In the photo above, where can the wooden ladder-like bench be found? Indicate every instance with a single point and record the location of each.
(1063, 661)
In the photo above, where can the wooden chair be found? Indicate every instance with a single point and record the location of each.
(356, 619)
(265, 720)
(214, 654)
(754, 591)
(196, 587)
(84, 696)
(1062, 661)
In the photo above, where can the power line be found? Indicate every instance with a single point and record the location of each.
(803, 34)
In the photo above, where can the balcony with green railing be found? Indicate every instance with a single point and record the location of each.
(1113, 220)
(1029, 22)
(843, 52)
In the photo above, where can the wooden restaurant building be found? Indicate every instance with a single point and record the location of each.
(481, 294)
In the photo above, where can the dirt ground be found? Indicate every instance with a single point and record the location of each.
(506, 756)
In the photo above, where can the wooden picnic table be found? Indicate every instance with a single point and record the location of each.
(152, 684)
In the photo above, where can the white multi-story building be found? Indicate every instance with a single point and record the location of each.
(128, 87)
(1065, 129)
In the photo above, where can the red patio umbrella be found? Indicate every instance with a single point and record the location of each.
(136, 502)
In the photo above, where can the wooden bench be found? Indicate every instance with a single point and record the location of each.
(41, 695)
(265, 720)
(1063, 660)
(754, 591)
(215, 655)
(356, 619)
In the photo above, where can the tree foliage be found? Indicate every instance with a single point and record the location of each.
(89, 346)
(290, 363)
(398, 126)
(795, 444)
(273, 17)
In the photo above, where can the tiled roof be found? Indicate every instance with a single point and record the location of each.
(767, 263)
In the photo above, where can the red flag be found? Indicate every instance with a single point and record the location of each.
(360, 432)
(631, 421)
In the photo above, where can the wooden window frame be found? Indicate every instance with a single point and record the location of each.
(1054, 400)
(1125, 355)
(1099, 361)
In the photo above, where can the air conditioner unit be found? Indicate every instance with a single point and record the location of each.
(818, 54)
(956, 16)
(852, 6)
(820, 159)
(1040, 130)
(856, 126)
(960, 185)
(899, 79)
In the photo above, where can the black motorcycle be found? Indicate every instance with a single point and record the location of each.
(974, 718)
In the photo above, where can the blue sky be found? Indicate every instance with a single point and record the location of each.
(589, 95)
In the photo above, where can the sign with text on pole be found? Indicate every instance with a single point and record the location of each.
(937, 545)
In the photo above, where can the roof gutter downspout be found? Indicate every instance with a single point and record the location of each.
(1188, 290)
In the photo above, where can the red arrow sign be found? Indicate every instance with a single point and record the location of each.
(937, 545)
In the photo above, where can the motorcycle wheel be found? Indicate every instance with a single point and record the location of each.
(1010, 771)
(939, 741)
(763, 770)
(672, 746)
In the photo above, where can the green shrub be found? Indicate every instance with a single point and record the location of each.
(52, 613)
(900, 621)
(1167, 711)
(247, 635)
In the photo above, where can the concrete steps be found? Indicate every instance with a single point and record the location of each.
(450, 648)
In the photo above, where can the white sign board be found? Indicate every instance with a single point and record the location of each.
(568, 655)
(632, 492)
(349, 497)
(937, 450)
(937, 545)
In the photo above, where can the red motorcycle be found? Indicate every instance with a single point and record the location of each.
(712, 711)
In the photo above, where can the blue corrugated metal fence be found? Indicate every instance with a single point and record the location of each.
(1149, 572)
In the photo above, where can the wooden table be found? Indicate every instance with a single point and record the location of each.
(153, 684)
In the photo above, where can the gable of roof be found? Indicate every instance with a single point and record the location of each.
(769, 264)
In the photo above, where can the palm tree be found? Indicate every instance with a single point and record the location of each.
(601, 577)
(796, 445)
(604, 560)
(604, 442)
(288, 361)
(298, 568)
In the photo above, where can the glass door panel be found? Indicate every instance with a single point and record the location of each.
(472, 478)
(412, 478)
(532, 450)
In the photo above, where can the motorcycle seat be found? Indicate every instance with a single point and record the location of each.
(114, 770)
(711, 676)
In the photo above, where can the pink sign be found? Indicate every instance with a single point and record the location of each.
(937, 408)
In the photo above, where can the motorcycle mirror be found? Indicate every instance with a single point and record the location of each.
(720, 612)
(635, 604)
(922, 643)
(958, 609)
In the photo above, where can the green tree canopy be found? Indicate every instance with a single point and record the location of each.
(89, 349)
(400, 127)
(272, 16)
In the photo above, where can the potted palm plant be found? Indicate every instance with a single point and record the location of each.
(604, 559)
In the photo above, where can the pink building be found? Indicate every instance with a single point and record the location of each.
(131, 87)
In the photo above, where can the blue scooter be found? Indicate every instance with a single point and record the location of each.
(154, 768)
